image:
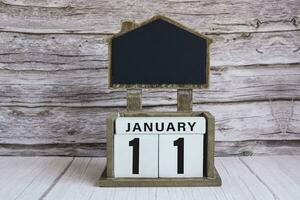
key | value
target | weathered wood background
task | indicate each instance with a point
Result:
(54, 96)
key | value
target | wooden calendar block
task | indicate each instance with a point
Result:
(181, 155)
(149, 148)
(136, 156)
(160, 152)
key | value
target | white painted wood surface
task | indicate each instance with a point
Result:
(257, 178)
(29, 177)
(53, 73)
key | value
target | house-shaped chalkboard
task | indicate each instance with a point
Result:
(159, 53)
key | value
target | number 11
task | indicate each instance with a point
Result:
(135, 144)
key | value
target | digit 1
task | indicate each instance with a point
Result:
(180, 154)
(135, 144)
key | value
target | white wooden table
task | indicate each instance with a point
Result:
(264, 178)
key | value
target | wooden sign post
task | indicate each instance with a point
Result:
(159, 148)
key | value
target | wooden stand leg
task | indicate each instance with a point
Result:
(184, 100)
(134, 99)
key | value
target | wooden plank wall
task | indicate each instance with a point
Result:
(54, 96)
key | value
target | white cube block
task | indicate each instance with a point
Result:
(181, 155)
(136, 156)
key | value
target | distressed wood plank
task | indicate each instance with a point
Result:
(256, 48)
(274, 176)
(29, 177)
(53, 76)
(84, 173)
(258, 147)
(234, 122)
(80, 181)
(52, 52)
(289, 165)
(58, 149)
(100, 17)
(237, 183)
(48, 125)
(65, 52)
(243, 178)
(223, 148)
(89, 87)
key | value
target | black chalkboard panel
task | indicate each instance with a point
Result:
(159, 53)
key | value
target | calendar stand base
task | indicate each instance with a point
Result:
(159, 182)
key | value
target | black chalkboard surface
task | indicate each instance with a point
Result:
(159, 54)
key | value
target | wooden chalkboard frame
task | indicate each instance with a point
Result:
(172, 86)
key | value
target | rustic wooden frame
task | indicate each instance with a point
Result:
(184, 108)
(130, 26)
(211, 176)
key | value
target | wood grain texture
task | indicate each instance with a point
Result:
(56, 149)
(102, 17)
(84, 173)
(273, 172)
(64, 51)
(89, 87)
(223, 148)
(68, 126)
(54, 95)
(258, 147)
(251, 178)
(29, 177)
(234, 122)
